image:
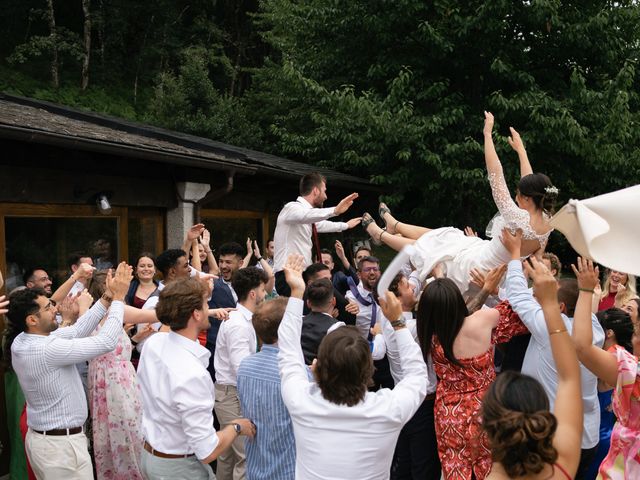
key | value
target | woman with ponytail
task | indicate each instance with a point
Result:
(527, 440)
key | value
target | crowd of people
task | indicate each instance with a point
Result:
(483, 359)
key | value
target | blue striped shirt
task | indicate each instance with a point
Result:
(271, 455)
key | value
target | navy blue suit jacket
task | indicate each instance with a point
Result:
(220, 298)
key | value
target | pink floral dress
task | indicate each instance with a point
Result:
(623, 459)
(116, 413)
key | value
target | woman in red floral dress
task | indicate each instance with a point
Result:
(462, 350)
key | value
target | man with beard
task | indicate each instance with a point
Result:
(44, 357)
(223, 296)
(369, 274)
(236, 340)
(300, 222)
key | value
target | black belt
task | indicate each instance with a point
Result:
(60, 431)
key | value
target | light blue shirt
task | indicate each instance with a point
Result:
(271, 455)
(538, 360)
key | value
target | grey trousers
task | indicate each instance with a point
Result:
(156, 468)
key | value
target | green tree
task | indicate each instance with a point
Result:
(396, 91)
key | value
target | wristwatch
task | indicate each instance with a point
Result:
(398, 323)
(237, 427)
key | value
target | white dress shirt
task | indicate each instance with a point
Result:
(45, 366)
(363, 318)
(236, 340)
(336, 441)
(394, 355)
(538, 359)
(177, 395)
(293, 230)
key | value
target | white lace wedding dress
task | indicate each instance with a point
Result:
(459, 253)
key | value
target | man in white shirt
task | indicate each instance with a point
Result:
(300, 221)
(236, 340)
(341, 430)
(538, 360)
(44, 357)
(177, 391)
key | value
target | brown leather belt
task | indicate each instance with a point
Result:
(59, 431)
(156, 453)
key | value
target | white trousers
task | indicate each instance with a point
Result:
(64, 457)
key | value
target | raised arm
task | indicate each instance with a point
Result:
(499, 190)
(195, 255)
(205, 240)
(192, 234)
(601, 363)
(247, 257)
(65, 351)
(83, 272)
(568, 404)
(516, 143)
(291, 364)
(489, 286)
(297, 213)
(265, 267)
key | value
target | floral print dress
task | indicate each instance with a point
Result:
(623, 459)
(116, 413)
(463, 445)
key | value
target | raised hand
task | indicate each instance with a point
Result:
(493, 278)
(84, 271)
(69, 310)
(512, 242)
(205, 239)
(488, 123)
(85, 300)
(345, 204)
(544, 283)
(256, 249)
(293, 273)
(194, 232)
(390, 306)
(3, 304)
(119, 284)
(587, 275)
(470, 232)
(515, 141)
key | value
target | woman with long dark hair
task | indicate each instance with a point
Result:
(460, 253)
(462, 349)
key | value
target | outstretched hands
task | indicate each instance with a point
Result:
(512, 242)
(345, 204)
(118, 285)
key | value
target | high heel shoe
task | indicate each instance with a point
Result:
(367, 220)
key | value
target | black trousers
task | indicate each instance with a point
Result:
(282, 287)
(416, 456)
(586, 457)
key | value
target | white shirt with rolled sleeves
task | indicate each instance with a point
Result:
(293, 230)
(538, 359)
(45, 366)
(336, 441)
(236, 340)
(177, 396)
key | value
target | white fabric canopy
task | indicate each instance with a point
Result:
(605, 228)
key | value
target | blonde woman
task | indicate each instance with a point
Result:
(618, 289)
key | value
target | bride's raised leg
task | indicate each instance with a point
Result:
(407, 230)
(396, 242)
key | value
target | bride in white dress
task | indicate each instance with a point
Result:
(459, 253)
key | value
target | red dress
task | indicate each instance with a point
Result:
(463, 446)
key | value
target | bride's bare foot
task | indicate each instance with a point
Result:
(389, 220)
